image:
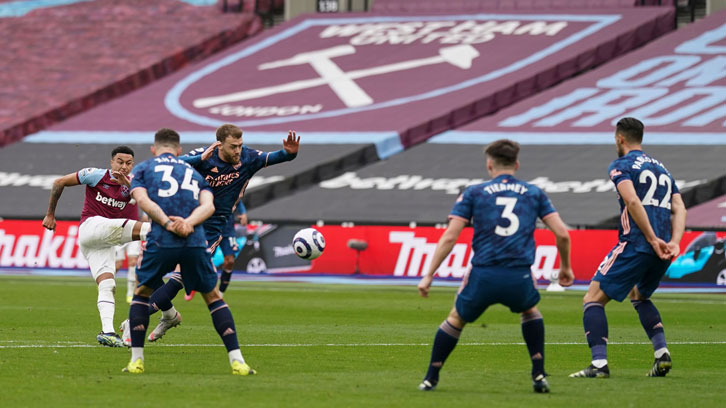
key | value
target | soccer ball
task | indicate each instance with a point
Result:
(308, 243)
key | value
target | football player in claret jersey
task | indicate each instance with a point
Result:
(652, 222)
(178, 200)
(227, 166)
(108, 219)
(504, 213)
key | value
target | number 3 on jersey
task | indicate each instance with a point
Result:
(507, 213)
(187, 183)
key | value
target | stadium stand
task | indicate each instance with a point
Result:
(413, 91)
(488, 5)
(67, 59)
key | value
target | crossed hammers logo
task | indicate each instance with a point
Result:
(341, 82)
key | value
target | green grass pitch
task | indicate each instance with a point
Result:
(342, 346)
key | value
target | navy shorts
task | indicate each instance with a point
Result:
(228, 246)
(485, 286)
(624, 267)
(196, 267)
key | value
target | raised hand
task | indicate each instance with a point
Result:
(208, 153)
(292, 143)
(121, 178)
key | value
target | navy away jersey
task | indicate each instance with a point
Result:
(229, 181)
(175, 186)
(504, 213)
(655, 186)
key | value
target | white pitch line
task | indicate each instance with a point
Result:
(626, 343)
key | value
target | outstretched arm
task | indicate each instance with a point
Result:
(443, 248)
(290, 147)
(55, 192)
(555, 224)
(637, 211)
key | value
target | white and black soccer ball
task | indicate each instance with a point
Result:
(308, 243)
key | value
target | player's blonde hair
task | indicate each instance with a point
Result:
(228, 130)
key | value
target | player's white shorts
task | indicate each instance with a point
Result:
(97, 238)
(132, 248)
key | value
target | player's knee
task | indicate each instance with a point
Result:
(107, 285)
(455, 319)
(531, 314)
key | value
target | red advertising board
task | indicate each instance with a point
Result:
(25, 243)
(391, 251)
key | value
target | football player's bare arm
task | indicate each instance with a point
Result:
(443, 248)
(55, 192)
(678, 224)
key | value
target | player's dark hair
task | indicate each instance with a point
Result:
(503, 152)
(166, 137)
(228, 130)
(121, 149)
(631, 129)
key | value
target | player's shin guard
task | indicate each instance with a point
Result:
(224, 324)
(161, 298)
(139, 320)
(534, 335)
(596, 329)
(106, 304)
(650, 319)
(444, 342)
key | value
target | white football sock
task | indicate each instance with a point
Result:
(106, 304)
(137, 353)
(145, 228)
(659, 353)
(168, 314)
(236, 355)
(600, 363)
(131, 281)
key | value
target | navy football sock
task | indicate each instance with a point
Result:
(650, 319)
(138, 320)
(161, 298)
(534, 335)
(444, 342)
(224, 324)
(596, 329)
(224, 279)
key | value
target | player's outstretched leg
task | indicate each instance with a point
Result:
(138, 322)
(596, 331)
(224, 324)
(444, 342)
(653, 326)
(161, 300)
(534, 336)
